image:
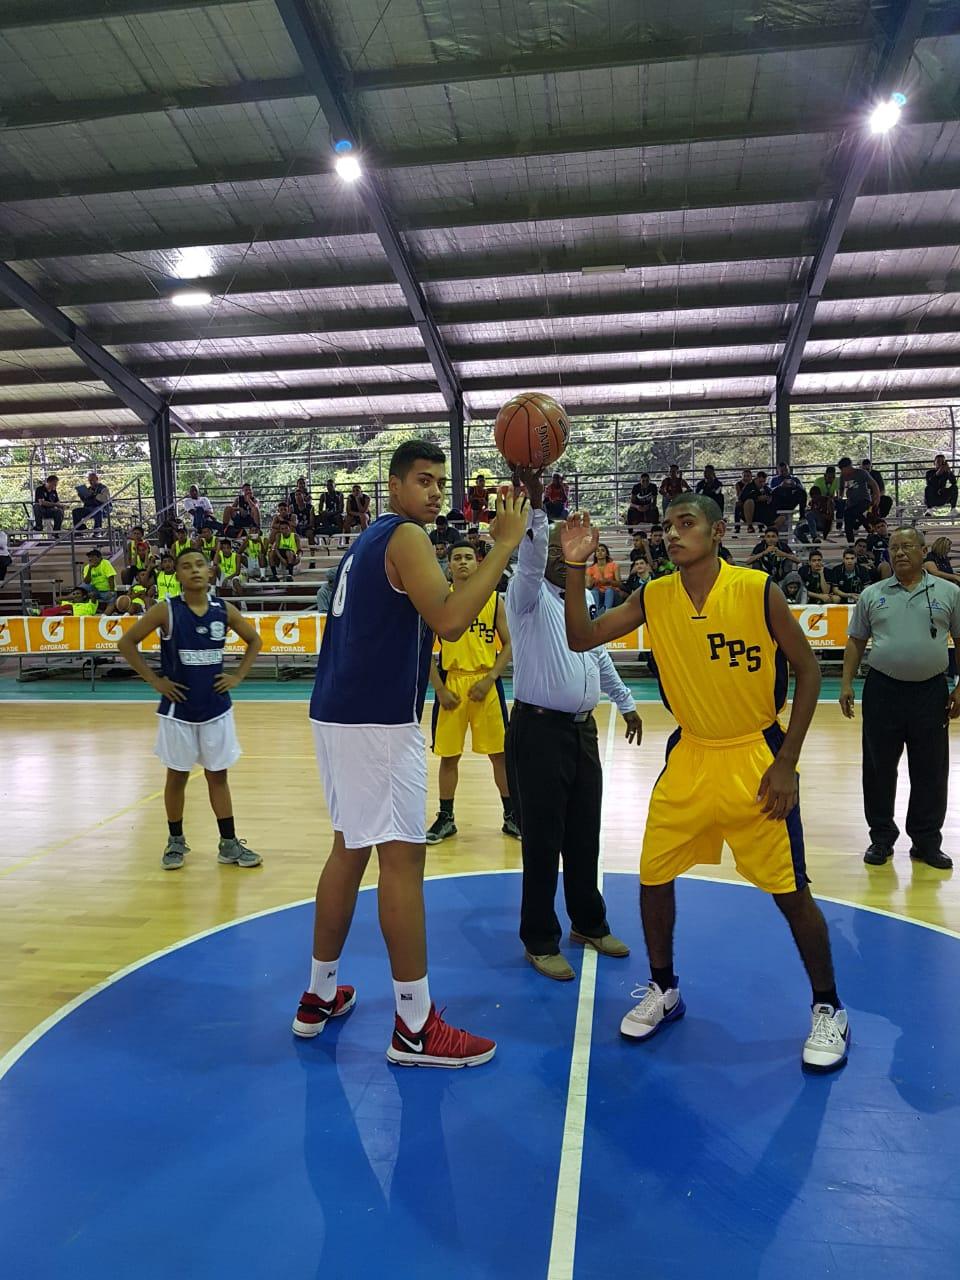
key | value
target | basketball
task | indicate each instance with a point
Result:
(531, 430)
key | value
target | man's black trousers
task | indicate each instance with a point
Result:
(556, 782)
(911, 714)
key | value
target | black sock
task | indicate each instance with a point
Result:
(507, 807)
(176, 828)
(446, 808)
(829, 997)
(227, 830)
(665, 979)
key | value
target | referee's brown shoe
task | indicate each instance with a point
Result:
(552, 966)
(608, 945)
(936, 858)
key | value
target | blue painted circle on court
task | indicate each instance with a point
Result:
(173, 1126)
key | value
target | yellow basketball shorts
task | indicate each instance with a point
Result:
(487, 719)
(707, 794)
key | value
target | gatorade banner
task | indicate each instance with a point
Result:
(825, 626)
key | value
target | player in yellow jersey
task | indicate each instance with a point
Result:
(468, 691)
(720, 639)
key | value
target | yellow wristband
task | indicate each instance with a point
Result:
(575, 564)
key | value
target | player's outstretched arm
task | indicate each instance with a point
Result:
(778, 786)
(579, 538)
(154, 619)
(412, 566)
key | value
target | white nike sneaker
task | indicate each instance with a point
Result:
(653, 1013)
(828, 1043)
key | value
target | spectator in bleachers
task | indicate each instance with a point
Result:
(325, 591)
(253, 554)
(723, 552)
(181, 540)
(848, 579)
(478, 498)
(241, 514)
(226, 569)
(330, 510)
(143, 590)
(603, 579)
(793, 588)
(656, 548)
(95, 497)
(99, 578)
(284, 550)
(814, 577)
(764, 512)
(556, 497)
(788, 493)
(878, 544)
(78, 604)
(640, 573)
(773, 555)
(639, 548)
(940, 489)
(206, 543)
(860, 494)
(937, 561)
(866, 560)
(198, 509)
(746, 490)
(820, 514)
(886, 502)
(672, 485)
(831, 487)
(357, 515)
(442, 532)
(442, 551)
(301, 511)
(137, 555)
(643, 507)
(478, 544)
(47, 505)
(6, 560)
(710, 485)
(168, 584)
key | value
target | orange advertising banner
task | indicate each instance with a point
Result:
(825, 626)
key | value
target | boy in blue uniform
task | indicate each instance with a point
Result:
(390, 596)
(196, 717)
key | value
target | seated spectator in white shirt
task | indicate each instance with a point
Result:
(198, 508)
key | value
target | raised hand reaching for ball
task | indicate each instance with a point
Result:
(579, 538)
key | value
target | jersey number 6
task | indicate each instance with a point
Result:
(340, 598)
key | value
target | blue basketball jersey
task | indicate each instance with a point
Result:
(191, 654)
(375, 658)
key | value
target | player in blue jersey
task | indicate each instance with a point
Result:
(390, 597)
(196, 717)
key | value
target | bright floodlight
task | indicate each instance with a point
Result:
(191, 298)
(886, 114)
(348, 167)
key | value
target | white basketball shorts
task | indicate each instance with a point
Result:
(182, 745)
(374, 779)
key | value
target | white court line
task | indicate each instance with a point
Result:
(563, 1242)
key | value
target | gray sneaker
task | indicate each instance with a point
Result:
(173, 854)
(238, 854)
(442, 828)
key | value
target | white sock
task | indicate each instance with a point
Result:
(323, 978)
(413, 1002)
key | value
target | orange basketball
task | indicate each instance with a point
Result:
(531, 430)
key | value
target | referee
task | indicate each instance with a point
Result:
(906, 700)
(553, 764)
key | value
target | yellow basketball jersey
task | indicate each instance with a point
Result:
(476, 650)
(721, 672)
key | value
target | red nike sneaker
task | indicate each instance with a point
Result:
(314, 1013)
(437, 1044)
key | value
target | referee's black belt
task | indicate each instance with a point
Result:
(578, 717)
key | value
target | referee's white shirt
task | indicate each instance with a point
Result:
(546, 672)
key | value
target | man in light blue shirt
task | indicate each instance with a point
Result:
(553, 762)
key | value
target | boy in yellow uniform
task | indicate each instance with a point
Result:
(168, 584)
(469, 692)
(720, 638)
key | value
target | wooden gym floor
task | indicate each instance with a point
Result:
(82, 893)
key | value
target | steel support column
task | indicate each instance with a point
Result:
(458, 480)
(781, 439)
(161, 464)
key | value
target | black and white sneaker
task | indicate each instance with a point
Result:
(828, 1043)
(510, 827)
(443, 827)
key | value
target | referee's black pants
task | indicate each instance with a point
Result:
(911, 714)
(553, 766)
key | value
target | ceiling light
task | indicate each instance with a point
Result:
(886, 114)
(348, 167)
(191, 298)
(194, 263)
